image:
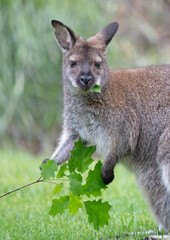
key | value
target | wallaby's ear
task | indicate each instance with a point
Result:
(64, 35)
(108, 32)
(103, 38)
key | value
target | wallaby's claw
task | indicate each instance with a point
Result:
(44, 162)
(107, 176)
(107, 179)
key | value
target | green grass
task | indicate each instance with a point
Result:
(24, 214)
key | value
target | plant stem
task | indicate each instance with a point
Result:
(29, 184)
(57, 185)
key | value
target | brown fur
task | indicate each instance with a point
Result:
(130, 117)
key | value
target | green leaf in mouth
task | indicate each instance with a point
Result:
(96, 88)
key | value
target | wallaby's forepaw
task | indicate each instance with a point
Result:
(107, 175)
(44, 162)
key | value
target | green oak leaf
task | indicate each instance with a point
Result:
(76, 183)
(81, 157)
(98, 213)
(72, 171)
(74, 204)
(48, 169)
(61, 172)
(59, 205)
(57, 189)
(94, 182)
(96, 88)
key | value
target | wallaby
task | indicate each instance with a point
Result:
(129, 121)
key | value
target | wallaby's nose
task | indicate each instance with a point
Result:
(85, 79)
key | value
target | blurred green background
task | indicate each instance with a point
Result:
(30, 60)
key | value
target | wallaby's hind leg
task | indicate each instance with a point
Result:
(163, 157)
(165, 168)
(157, 196)
(155, 182)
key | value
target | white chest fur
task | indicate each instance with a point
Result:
(91, 129)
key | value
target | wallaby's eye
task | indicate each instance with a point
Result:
(72, 64)
(98, 65)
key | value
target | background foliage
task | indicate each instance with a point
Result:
(30, 60)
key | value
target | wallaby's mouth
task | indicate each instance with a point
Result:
(86, 85)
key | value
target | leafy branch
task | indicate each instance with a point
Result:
(26, 185)
(81, 178)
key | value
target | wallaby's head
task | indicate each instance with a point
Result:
(84, 62)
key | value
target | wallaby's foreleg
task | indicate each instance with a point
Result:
(108, 167)
(62, 153)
